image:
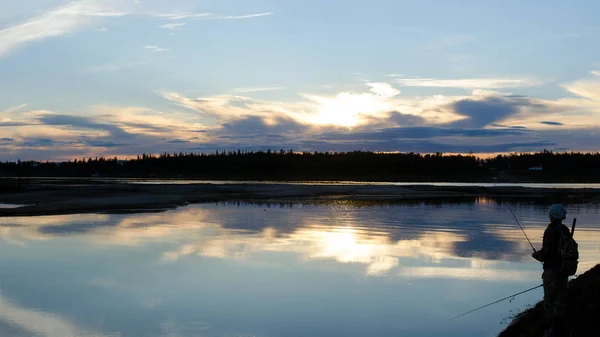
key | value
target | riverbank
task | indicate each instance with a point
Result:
(583, 310)
(55, 197)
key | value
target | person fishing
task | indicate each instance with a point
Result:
(559, 258)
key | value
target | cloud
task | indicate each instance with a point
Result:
(68, 120)
(173, 26)
(180, 16)
(345, 109)
(102, 143)
(376, 117)
(383, 89)
(253, 133)
(395, 118)
(156, 49)
(147, 126)
(245, 122)
(552, 123)
(588, 89)
(426, 146)
(14, 123)
(418, 133)
(247, 16)
(352, 109)
(115, 133)
(517, 127)
(178, 141)
(259, 126)
(14, 109)
(428, 139)
(468, 83)
(580, 110)
(14, 117)
(484, 111)
(57, 22)
(110, 131)
(116, 136)
(257, 89)
(41, 142)
(81, 14)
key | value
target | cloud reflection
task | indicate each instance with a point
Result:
(38, 323)
(450, 247)
(468, 273)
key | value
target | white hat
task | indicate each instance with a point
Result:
(558, 212)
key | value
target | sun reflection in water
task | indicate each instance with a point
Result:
(439, 251)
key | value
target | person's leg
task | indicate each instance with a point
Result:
(550, 293)
(560, 305)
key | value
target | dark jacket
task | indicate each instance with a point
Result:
(549, 254)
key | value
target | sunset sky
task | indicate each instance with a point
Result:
(122, 77)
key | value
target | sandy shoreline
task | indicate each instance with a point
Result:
(70, 197)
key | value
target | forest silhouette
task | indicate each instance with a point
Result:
(356, 166)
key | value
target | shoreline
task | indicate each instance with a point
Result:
(582, 310)
(59, 197)
(299, 181)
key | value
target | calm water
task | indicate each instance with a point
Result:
(262, 182)
(285, 270)
(10, 205)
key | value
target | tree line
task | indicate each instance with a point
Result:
(356, 165)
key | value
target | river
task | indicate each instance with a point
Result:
(238, 269)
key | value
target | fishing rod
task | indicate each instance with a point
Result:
(518, 223)
(498, 301)
(522, 292)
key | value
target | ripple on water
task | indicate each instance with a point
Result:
(10, 205)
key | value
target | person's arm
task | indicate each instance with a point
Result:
(548, 245)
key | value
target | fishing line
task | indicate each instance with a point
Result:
(518, 223)
(498, 301)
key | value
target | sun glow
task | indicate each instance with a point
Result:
(349, 109)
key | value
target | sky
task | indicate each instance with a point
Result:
(89, 78)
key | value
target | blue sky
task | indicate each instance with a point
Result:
(107, 77)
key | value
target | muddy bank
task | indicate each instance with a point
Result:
(583, 310)
(75, 196)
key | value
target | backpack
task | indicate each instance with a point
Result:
(568, 251)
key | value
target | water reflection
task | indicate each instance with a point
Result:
(10, 205)
(239, 268)
(16, 322)
(375, 234)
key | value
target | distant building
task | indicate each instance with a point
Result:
(536, 168)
